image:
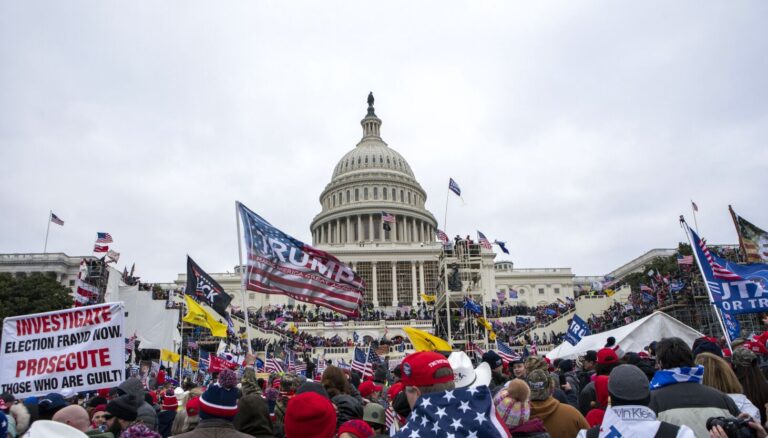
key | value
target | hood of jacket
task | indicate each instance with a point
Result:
(348, 408)
(544, 408)
(133, 386)
(253, 417)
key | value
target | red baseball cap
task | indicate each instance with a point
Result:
(607, 356)
(368, 387)
(394, 390)
(419, 369)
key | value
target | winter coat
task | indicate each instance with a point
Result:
(214, 428)
(146, 413)
(691, 404)
(636, 421)
(587, 395)
(746, 406)
(99, 434)
(533, 428)
(584, 378)
(253, 417)
(21, 416)
(165, 422)
(347, 408)
(561, 420)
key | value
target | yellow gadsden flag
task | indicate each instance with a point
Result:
(196, 315)
(169, 356)
(423, 341)
(428, 298)
(189, 363)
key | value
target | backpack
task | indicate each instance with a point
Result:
(666, 430)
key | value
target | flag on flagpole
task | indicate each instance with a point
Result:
(694, 206)
(483, 241)
(502, 245)
(200, 284)
(280, 264)
(423, 341)
(441, 236)
(100, 248)
(103, 237)
(361, 364)
(454, 187)
(386, 219)
(506, 353)
(534, 348)
(198, 316)
(55, 219)
(112, 256)
(754, 241)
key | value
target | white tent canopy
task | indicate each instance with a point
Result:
(631, 337)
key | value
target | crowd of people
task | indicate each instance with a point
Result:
(670, 388)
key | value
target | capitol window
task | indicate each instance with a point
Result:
(347, 196)
(357, 194)
(541, 291)
(394, 196)
(409, 197)
(402, 196)
(384, 193)
(365, 194)
(375, 193)
(334, 200)
(557, 290)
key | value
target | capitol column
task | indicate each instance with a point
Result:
(421, 277)
(360, 228)
(370, 226)
(413, 283)
(394, 284)
(394, 230)
(373, 283)
(421, 231)
(349, 231)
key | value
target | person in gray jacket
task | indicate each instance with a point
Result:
(146, 413)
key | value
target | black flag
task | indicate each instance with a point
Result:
(201, 285)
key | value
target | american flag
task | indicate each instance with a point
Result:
(103, 237)
(85, 293)
(273, 365)
(130, 343)
(300, 367)
(534, 348)
(280, 264)
(441, 236)
(452, 186)
(476, 349)
(458, 412)
(343, 365)
(387, 217)
(361, 363)
(718, 270)
(100, 248)
(55, 219)
(483, 241)
(506, 352)
(684, 260)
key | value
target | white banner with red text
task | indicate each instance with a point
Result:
(65, 351)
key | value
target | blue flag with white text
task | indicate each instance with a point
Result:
(577, 330)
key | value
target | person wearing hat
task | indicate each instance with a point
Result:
(568, 369)
(50, 428)
(513, 405)
(497, 364)
(751, 378)
(252, 411)
(607, 360)
(425, 372)
(310, 415)
(560, 419)
(564, 394)
(50, 404)
(121, 413)
(375, 415)
(355, 429)
(370, 392)
(587, 368)
(465, 375)
(677, 393)
(629, 414)
(168, 407)
(218, 407)
(518, 367)
(146, 413)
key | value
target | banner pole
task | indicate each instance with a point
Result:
(706, 284)
(47, 230)
(181, 347)
(445, 217)
(695, 222)
(242, 277)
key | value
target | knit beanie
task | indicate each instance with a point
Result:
(513, 404)
(169, 401)
(124, 407)
(358, 428)
(193, 407)
(310, 415)
(220, 399)
(139, 431)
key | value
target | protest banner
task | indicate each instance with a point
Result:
(64, 351)
(577, 330)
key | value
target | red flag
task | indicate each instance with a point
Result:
(100, 248)
(218, 364)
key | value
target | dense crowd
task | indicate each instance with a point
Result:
(670, 388)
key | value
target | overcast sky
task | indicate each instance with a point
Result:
(578, 131)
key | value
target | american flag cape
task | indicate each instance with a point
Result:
(458, 413)
(483, 241)
(279, 264)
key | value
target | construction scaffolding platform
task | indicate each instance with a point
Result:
(461, 277)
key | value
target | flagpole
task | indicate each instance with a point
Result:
(47, 230)
(367, 354)
(181, 347)
(445, 217)
(695, 222)
(242, 282)
(706, 285)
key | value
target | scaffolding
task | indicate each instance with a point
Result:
(460, 277)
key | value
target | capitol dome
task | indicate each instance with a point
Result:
(369, 181)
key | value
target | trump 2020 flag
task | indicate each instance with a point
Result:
(280, 264)
(732, 325)
(577, 330)
(201, 285)
(735, 288)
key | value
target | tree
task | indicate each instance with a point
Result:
(32, 293)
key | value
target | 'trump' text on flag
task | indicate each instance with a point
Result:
(279, 264)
